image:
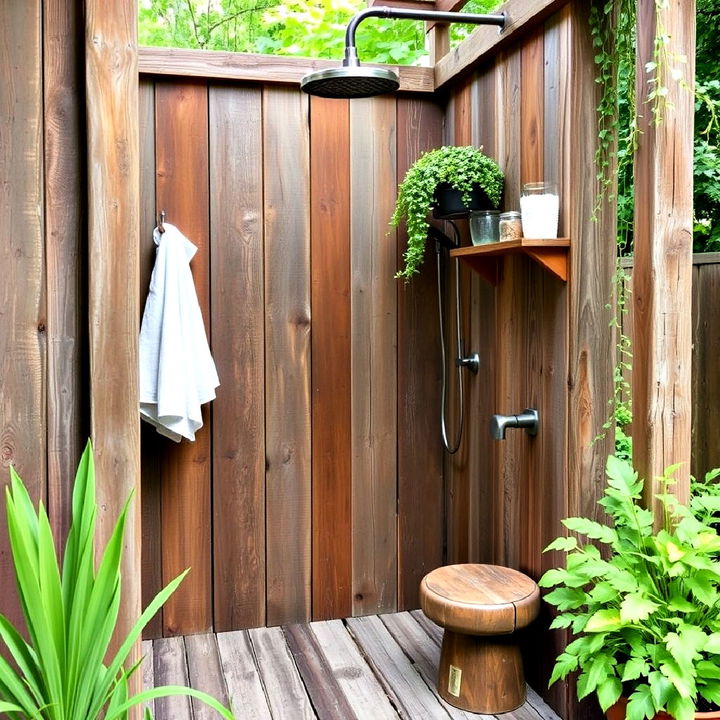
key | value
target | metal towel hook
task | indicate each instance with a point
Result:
(161, 224)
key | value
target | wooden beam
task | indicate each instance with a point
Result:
(522, 16)
(113, 216)
(662, 275)
(258, 68)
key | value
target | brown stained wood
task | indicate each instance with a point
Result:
(523, 16)
(262, 68)
(111, 96)
(64, 211)
(318, 676)
(236, 213)
(150, 443)
(205, 673)
(374, 339)
(420, 524)
(23, 351)
(287, 697)
(242, 677)
(663, 247)
(481, 674)
(181, 147)
(532, 62)
(287, 356)
(355, 679)
(408, 692)
(331, 353)
(170, 668)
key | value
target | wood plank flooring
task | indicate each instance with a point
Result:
(366, 668)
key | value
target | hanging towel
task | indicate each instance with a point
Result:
(177, 372)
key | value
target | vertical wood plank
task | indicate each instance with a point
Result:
(532, 108)
(420, 473)
(170, 668)
(287, 361)
(181, 148)
(331, 415)
(22, 324)
(238, 413)
(205, 673)
(111, 93)
(64, 207)
(150, 442)
(374, 343)
(663, 251)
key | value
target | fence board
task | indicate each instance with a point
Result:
(287, 362)
(182, 191)
(374, 340)
(22, 334)
(420, 532)
(331, 352)
(238, 328)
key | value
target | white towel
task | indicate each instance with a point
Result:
(177, 372)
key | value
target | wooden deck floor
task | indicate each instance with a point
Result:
(369, 668)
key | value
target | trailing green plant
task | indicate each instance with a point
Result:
(460, 167)
(644, 605)
(70, 613)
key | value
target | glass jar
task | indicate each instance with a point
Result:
(540, 206)
(510, 226)
(484, 228)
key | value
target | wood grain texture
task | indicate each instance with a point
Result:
(420, 475)
(181, 148)
(239, 411)
(663, 248)
(522, 15)
(111, 95)
(532, 108)
(67, 423)
(205, 673)
(170, 668)
(263, 68)
(148, 672)
(287, 356)
(23, 351)
(150, 443)
(331, 353)
(374, 341)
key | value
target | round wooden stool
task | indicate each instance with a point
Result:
(480, 606)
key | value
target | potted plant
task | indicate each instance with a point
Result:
(60, 672)
(476, 180)
(645, 609)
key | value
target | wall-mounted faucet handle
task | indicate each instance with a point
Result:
(471, 362)
(529, 419)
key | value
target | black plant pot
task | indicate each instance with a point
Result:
(449, 204)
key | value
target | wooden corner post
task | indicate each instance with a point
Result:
(662, 275)
(111, 83)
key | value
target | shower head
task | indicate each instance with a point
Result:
(350, 82)
(354, 81)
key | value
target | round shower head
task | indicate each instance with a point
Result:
(355, 81)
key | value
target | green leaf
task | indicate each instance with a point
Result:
(603, 621)
(566, 598)
(712, 643)
(677, 675)
(681, 708)
(553, 577)
(564, 665)
(636, 607)
(562, 621)
(640, 704)
(708, 670)
(562, 543)
(634, 668)
(609, 692)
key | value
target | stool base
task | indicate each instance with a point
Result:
(482, 674)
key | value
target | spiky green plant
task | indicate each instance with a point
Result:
(461, 168)
(70, 615)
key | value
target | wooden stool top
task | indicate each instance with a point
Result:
(479, 599)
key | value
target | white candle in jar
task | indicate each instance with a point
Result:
(540, 209)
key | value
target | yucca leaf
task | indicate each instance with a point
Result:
(166, 691)
(12, 688)
(24, 657)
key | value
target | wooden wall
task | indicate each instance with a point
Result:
(299, 498)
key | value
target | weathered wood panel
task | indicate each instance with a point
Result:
(181, 149)
(331, 351)
(238, 328)
(420, 475)
(23, 351)
(374, 342)
(287, 356)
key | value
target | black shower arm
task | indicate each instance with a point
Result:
(381, 11)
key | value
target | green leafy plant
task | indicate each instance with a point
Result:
(70, 615)
(645, 608)
(460, 167)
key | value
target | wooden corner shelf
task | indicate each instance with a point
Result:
(487, 259)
